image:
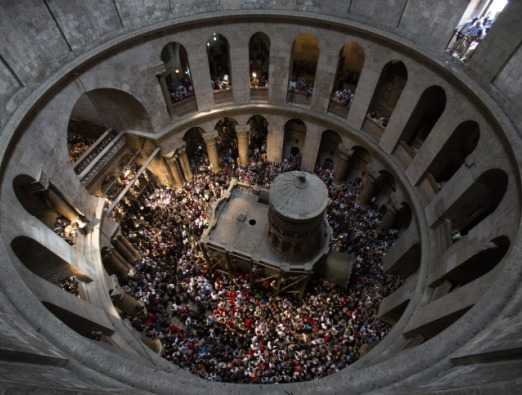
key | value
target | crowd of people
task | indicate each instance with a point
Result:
(78, 144)
(343, 96)
(220, 327)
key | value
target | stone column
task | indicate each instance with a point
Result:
(364, 195)
(160, 169)
(212, 152)
(242, 140)
(342, 159)
(126, 303)
(172, 164)
(311, 147)
(184, 162)
(61, 205)
(130, 255)
(115, 264)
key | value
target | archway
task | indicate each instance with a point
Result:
(227, 143)
(46, 264)
(479, 201)
(218, 52)
(176, 80)
(349, 67)
(454, 152)
(330, 141)
(196, 148)
(47, 204)
(259, 55)
(389, 88)
(303, 67)
(295, 135)
(427, 112)
(258, 137)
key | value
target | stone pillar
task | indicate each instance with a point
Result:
(325, 75)
(365, 193)
(200, 73)
(61, 205)
(115, 263)
(172, 164)
(129, 254)
(311, 147)
(240, 67)
(242, 140)
(212, 152)
(342, 160)
(184, 162)
(160, 169)
(126, 303)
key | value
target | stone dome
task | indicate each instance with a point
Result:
(298, 195)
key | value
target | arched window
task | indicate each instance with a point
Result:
(218, 52)
(358, 162)
(303, 66)
(330, 141)
(295, 135)
(427, 112)
(95, 134)
(454, 152)
(46, 203)
(259, 53)
(479, 201)
(349, 67)
(479, 264)
(387, 93)
(47, 265)
(176, 80)
(196, 148)
(227, 143)
(258, 137)
(382, 188)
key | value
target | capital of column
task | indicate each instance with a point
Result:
(210, 138)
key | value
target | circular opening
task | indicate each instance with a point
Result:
(252, 222)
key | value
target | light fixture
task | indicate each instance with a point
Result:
(177, 71)
(254, 75)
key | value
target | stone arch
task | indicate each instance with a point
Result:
(328, 147)
(227, 142)
(176, 80)
(112, 108)
(478, 202)
(43, 262)
(196, 147)
(259, 60)
(218, 52)
(303, 67)
(425, 115)
(358, 162)
(47, 204)
(349, 68)
(293, 144)
(392, 81)
(454, 152)
(479, 264)
(258, 136)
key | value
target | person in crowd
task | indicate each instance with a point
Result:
(222, 328)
